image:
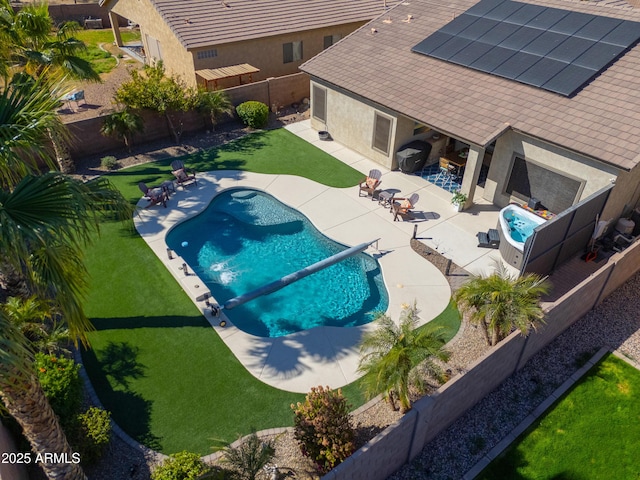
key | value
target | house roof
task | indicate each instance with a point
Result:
(601, 121)
(202, 23)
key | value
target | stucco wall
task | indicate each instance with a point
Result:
(10, 470)
(405, 439)
(176, 59)
(350, 121)
(266, 53)
(592, 174)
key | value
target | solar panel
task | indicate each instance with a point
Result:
(549, 48)
(570, 49)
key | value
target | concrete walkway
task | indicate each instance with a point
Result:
(329, 355)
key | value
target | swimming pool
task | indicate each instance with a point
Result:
(246, 238)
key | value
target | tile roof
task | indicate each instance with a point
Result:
(201, 23)
(601, 121)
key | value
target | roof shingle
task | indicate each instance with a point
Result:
(602, 120)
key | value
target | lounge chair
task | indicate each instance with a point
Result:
(183, 176)
(401, 207)
(154, 195)
(370, 184)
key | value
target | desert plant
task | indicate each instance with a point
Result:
(109, 162)
(122, 124)
(94, 433)
(214, 105)
(501, 302)
(60, 380)
(323, 427)
(253, 114)
(152, 90)
(181, 466)
(250, 457)
(393, 357)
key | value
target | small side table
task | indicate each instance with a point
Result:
(385, 198)
(168, 186)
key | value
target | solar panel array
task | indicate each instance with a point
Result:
(550, 48)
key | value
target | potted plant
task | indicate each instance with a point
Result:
(458, 200)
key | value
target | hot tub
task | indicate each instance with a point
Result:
(515, 225)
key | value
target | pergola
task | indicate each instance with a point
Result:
(216, 74)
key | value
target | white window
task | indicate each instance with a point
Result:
(381, 133)
(155, 53)
(212, 53)
(291, 52)
(330, 40)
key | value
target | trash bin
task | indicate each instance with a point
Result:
(413, 156)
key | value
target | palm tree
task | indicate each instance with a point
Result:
(45, 222)
(30, 45)
(500, 303)
(122, 124)
(250, 457)
(393, 357)
(25, 400)
(36, 320)
(214, 105)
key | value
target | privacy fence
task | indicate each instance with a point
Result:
(403, 441)
(277, 92)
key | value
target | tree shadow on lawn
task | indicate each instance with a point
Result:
(119, 361)
(169, 321)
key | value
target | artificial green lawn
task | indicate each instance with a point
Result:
(592, 432)
(165, 375)
(102, 61)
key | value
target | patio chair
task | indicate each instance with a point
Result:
(183, 176)
(154, 195)
(370, 184)
(446, 174)
(402, 207)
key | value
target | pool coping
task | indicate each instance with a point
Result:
(322, 355)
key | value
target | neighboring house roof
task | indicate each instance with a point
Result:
(202, 23)
(601, 121)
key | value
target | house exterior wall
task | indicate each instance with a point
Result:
(350, 121)
(176, 59)
(593, 175)
(266, 53)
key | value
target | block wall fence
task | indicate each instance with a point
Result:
(275, 92)
(405, 439)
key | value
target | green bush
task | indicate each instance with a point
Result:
(94, 433)
(253, 114)
(109, 162)
(323, 427)
(250, 457)
(180, 466)
(60, 380)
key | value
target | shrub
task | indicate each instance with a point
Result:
(323, 427)
(109, 162)
(250, 457)
(60, 380)
(180, 466)
(94, 433)
(253, 114)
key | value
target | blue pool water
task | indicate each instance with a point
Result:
(520, 227)
(246, 238)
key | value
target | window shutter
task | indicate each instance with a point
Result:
(381, 133)
(319, 103)
(287, 52)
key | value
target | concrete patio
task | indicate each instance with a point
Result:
(329, 355)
